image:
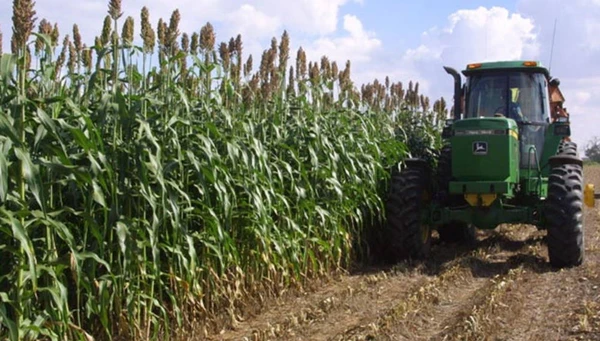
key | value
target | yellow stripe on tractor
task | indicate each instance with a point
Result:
(477, 199)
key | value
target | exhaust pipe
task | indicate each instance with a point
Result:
(457, 91)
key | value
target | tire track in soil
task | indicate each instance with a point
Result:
(346, 302)
(419, 300)
(289, 317)
(462, 306)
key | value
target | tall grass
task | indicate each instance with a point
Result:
(139, 199)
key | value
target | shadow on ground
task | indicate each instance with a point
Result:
(493, 255)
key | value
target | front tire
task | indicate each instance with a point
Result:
(406, 234)
(564, 216)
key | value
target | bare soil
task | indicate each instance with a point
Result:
(501, 289)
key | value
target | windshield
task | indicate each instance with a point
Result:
(521, 96)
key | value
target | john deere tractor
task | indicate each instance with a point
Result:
(507, 159)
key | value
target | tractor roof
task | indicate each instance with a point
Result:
(516, 65)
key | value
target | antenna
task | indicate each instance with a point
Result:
(552, 48)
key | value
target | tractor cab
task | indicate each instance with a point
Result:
(517, 92)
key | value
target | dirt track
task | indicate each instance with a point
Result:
(503, 289)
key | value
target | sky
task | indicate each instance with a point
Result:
(405, 40)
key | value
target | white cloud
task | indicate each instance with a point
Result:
(357, 45)
(305, 16)
(574, 57)
(252, 23)
(480, 34)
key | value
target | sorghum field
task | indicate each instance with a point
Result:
(158, 184)
(148, 189)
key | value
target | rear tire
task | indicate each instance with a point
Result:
(564, 216)
(406, 235)
(567, 148)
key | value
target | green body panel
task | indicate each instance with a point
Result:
(534, 183)
(498, 164)
(484, 218)
(507, 66)
(550, 146)
(482, 187)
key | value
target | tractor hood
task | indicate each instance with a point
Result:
(478, 126)
(485, 149)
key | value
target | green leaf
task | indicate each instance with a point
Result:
(98, 194)
(8, 64)
(20, 233)
(122, 234)
(32, 176)
(13, 329)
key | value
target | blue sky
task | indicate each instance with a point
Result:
(405, 40)
(399, 23)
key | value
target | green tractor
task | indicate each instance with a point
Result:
(507, 158)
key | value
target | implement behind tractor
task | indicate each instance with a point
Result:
(507, 158)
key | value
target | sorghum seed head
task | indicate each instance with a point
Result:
(231, 46)
(43, 28)
(62, 56)
(195, 44)
(106, 31)
(334, 70)
(185, 43)
(248, 66)
(28, 59)
(301, 68)
(114, 9)
(284, 49)
(162, 32)
(86, 57)
(128, 33)
(77, 38)
(55, 35)
(23, 21)
(224, 54)
(207, 37)
(238, 44)
(148, 35)
(173, 31)
(72, 58)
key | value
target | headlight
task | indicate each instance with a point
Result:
(562, 130)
